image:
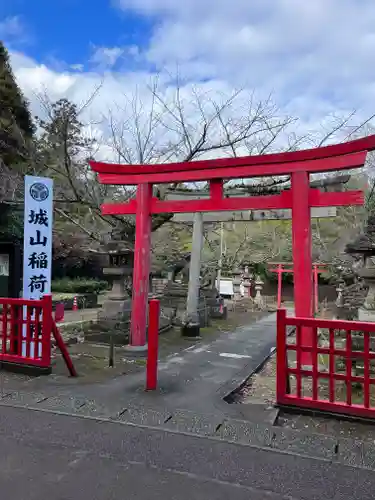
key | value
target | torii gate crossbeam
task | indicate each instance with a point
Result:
(300, 198)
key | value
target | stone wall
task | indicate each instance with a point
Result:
(158, 285)
(173, 304)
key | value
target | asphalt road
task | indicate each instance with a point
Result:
(55, 457)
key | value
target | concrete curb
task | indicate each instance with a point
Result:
(349, 452)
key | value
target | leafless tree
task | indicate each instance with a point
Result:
(156, 125)
(187, 123)
(161, 125)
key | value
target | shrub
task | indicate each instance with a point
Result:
(80, 285)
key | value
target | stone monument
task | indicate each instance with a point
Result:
(213, 301)
(174, 298)
(175, 293)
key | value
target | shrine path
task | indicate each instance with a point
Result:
(195, 379)
(199, 377)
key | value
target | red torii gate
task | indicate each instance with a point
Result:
(287, 267)
(300, 198)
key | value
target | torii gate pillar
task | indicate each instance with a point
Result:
(141, 272)
(302, 258)
(302, 245)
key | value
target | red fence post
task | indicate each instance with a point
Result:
(316, 295)
(279, 281)
(46, 331)
(281, 372)
(64, 351)
(153, 337)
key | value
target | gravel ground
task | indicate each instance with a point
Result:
(261, 389)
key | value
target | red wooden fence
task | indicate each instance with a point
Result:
(341, 378)
(25, 331)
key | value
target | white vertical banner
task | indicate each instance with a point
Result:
(37, 237)
(37, 243)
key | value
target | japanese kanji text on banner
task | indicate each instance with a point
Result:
(37, 246)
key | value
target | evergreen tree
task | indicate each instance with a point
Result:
(16, 125)
(62, 133)
(16, 135)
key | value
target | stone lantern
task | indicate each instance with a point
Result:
(237, 280)
(118, 271)
(247, 279)
(364, 245)
(340, 289)
(258, 300)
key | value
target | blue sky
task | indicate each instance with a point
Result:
(316, 57)
(69, 31)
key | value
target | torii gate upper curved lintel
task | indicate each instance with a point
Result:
(300, 198)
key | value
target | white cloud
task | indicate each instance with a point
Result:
(106, 57)
(313, 54)
(77, 67)
(36, 78)
(115, 96)
(317, 57)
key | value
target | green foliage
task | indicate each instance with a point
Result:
(11, 223)
(370, 200)
(66, 285)
(16, 125)
(170, 243)
(63, 150)
(16, 138)
(63, 131)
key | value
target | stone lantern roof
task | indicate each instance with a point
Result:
(364, 244)
(118, 247)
